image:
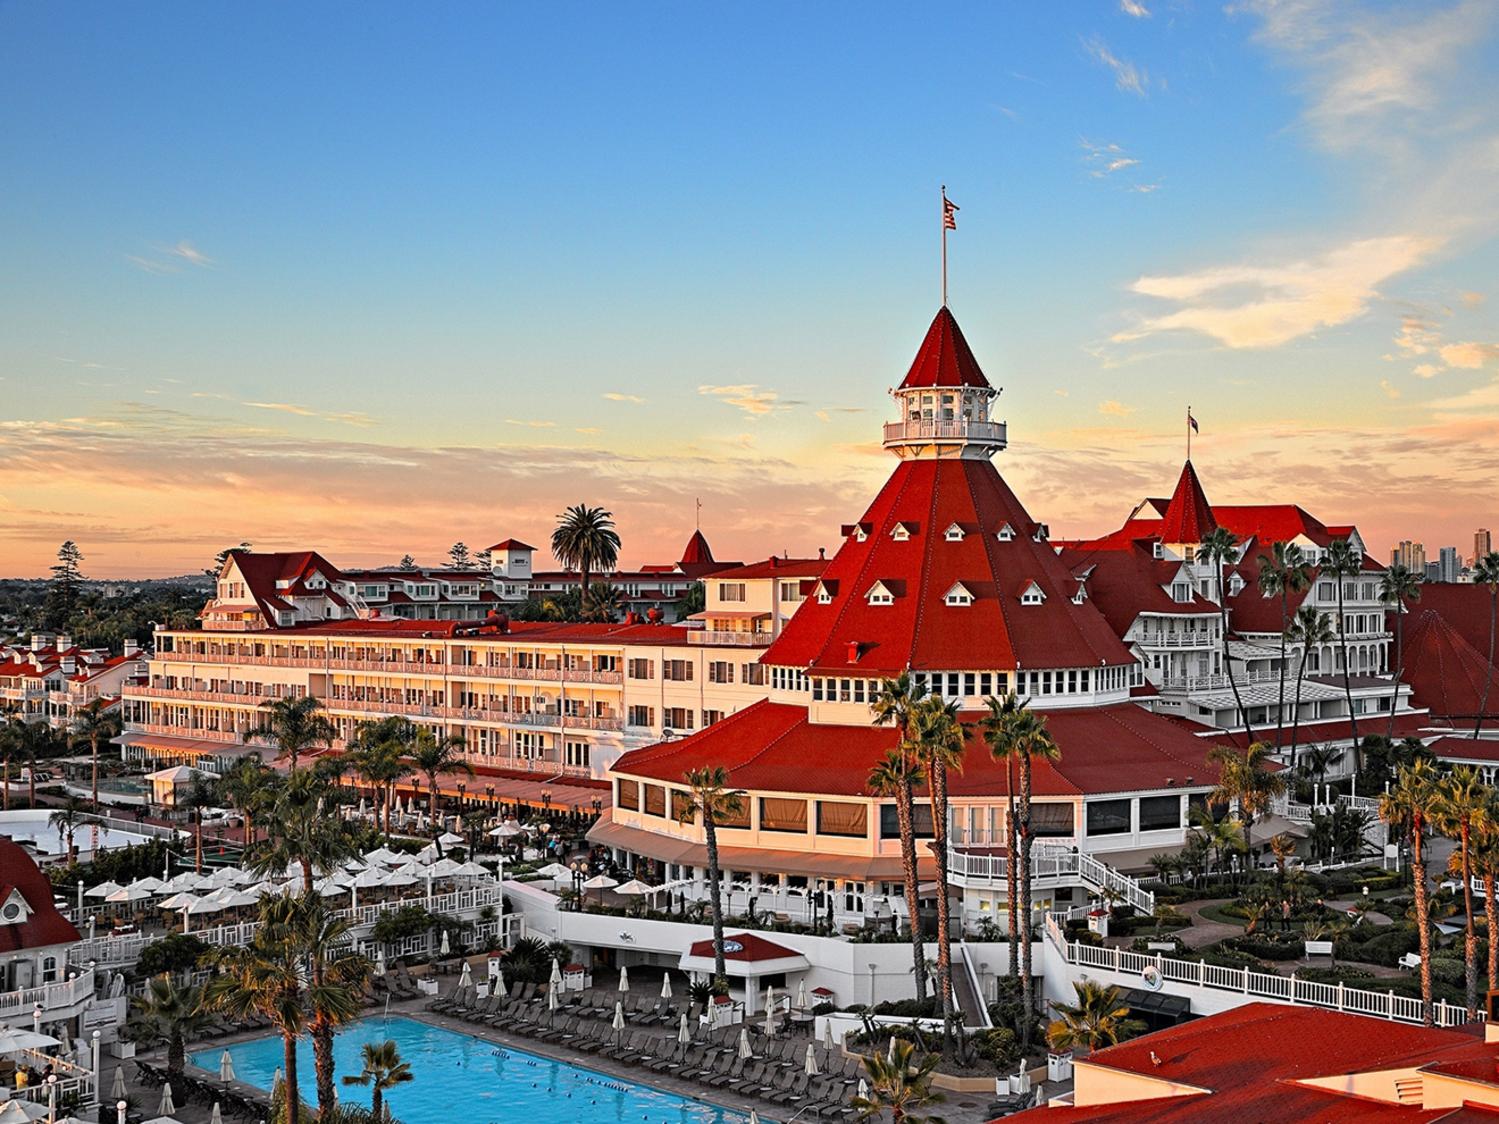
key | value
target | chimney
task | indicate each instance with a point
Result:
(69, 665)
(822, 553)
(854, 651)
(40, 640)
(64, 641)
(132, 648)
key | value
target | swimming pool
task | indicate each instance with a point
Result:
(32, 826)
(461, 1079)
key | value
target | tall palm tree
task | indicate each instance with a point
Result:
(1311, 629)
(939, 740)
(295, 726)
(265, 978)
(1032, 742)
(10, 740)
(1408, 807)
(1397, 586)
(898, 1087)
(996, 727)
(170, 1014)
(1486, 863)
(66, 822)
(33, 741)
(709, 796)
(1244, 776)
(1098, 1018)
(1283, 571)
(1221, 549)
(301, 831)
(384, 1069)
(250, 788)
(431, 755)
(894, 775)
(1486, 572)
(1342, 561)
(381, 757)
(585, 540)
(892, 705)
(96, 723)
(336, 981)
(1461, 809)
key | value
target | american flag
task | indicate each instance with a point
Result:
(949, 214)
(1193, 422)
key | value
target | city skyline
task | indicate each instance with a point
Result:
(429, 284)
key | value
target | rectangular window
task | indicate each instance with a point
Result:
(712, 716)
(1051, 819)
(681, 807)
(780, 814)
(1160, 813)
(576, 754)
(753, 674)
(736, 816)
(731, 591)
(677, 671)
(890, 821)
(642, 669)
(642, 716)
(791, 591)
(678, 717)
(720, 671)
(1108, 817)
(836, 817)
(655, 800)
(627, 794)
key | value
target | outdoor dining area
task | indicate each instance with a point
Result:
(38, 1080)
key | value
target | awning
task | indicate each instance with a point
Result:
(197, 747)
(538, 791)
(1156, 1003)
(1271, 826)
(670, 849)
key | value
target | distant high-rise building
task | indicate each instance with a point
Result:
(1449, 565)
(1411, 555)
(1433, 572)
(1483, 543)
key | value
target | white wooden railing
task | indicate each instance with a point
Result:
(1053, 868)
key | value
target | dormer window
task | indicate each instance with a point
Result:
(1043, 532)
(903, 531)
(958, 596)
(826, 591)
(880, 594)
(1006, 533)
(954, 533)
(1081, 595)
(1158, 550)
(14, 909)
(1032, 595)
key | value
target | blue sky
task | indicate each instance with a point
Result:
(373, 278)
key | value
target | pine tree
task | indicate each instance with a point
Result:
(67, 583)
(221, 557)
(406, 563)
(458, 556)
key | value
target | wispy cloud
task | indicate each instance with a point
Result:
(1469, 356)
(1134, 8)
(170, 259)
(1389, 388)
(749, 397)
(1115, 409)
(1127, 76)
(587, 430)
(354, 418)
(1265, 305)
(531, 423)
(1105, 159)
(616, 396)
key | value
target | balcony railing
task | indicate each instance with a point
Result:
(729, 639)
(1178, 640)
(985, 433)
(1215, 682)
(51, 996)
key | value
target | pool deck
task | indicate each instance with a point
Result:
(958, 1109)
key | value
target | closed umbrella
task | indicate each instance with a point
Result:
(276, 1080)
(497, 987)
(465, 977)
(890, 1050)
(684, 1033)
(552, 999)
(167, 1105)
(754, 1117)
(801, 995)
(117, 1089)
(216, 1117)
(444, 948)
(226, 1067)
(863, 1089)
(619, 1015)
(770, 1022)
(624, 978)
(666, 985)
(744, 1045)
(556, 971)
(827, 1036)
(811, 1063)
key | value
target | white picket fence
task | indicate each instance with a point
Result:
(1255, 985)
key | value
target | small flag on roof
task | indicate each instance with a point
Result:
(1193, 422)
(949, 213)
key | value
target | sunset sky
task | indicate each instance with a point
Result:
(372, 278)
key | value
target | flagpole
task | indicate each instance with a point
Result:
(1189, 432)
(942, 213)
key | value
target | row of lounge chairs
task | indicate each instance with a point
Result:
(232, 1103)
(776, 1074)
(397, 984)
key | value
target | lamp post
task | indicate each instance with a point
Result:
(598, 807)
(579, 868)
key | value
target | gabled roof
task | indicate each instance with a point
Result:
(45, 926)
(944, 358)
(774, 568)
(918, 631)
(511, 544)
(1125, 583)
(1188, 518)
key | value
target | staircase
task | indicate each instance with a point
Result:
(967, 992)
(1050, 869)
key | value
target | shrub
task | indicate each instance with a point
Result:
(1008, 1010)
(1354, 977)
(1448, 969)
(1384, 946)
(173, 954)
(1264, 946)
(927, 1008)
(1141, 944)
(998, 1046)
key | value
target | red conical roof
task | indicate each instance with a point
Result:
(1189, 516)
(697, 552)
(945, 358)
(1445, 672)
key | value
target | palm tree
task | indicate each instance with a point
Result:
(250, 788)
(34, 740)
(66, 821)
(337, 977)
(383, 1069)
(606, 604)
(1243, 775)
(1098, 1018)
(1486, 572)
(10, 740)
(1032, 741)
(1317, 760)
(265, 978)
(996, 727)
(431, 755)
(201, 792)
(295, 726)
(1283, 571)
(1342, 561)
(1461, 809)
(167, 1013)
(379, 755)
(1486, 862)
(709, 796)
(1282, 846)
(94, 724)
(585, 540)
(1310, 629)
(1220, 549)
(1398, 585)
(1408, 807)
(896, 777)
(939, 741)
(898, 1087)
(301, 831)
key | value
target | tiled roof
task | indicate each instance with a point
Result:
(918, 629)
(944, 358)
(752, 948)
(774, 567)
(1445, 670)
(1125, 583)
(697, 550)
(45, 926)
(1188, 517)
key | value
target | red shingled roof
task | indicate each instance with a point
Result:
(45, 926)
(752, 948)
(1446, 672)
(511, 544)
(918, 629)
(775, 568)
(775, 747)
(697, 550)
(944, 358)
(1125, 583)
(1188, 517)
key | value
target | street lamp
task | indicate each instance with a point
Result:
(579, 868)
(598, 807)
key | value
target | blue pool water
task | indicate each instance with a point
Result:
(461, 1079)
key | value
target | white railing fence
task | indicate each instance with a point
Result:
(1052, 868)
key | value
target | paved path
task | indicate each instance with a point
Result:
(1204, 930)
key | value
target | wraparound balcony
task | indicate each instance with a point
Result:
(726, 639)
(976, 432)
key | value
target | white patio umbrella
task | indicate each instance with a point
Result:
(232, 899)
(21, 1112)
(770, 999)
(635, 888)
(329, 888)
(507, 830)
(754, 1117)
(555, 871)
(206, 905)
(744, 1045)
(811, 1063)
(684, 1032)
(497, 987)
(216, 1116)
(465, 977)
(770, 1022)
(148, 883)
(102, 890)
(828, 1042)
(472, 869)
(552, 998)
(226, 1067)
(863, 1089)
(179, 900)
(600, 882)
(12, 1039)
(444, 948)
(444, 868)
(117, 1088)
(428, 854)
(384, 856)
(368, 879)
(450, 839)
(666, 984)
(399, 878)
(187, 880)
(801, 995)
(619, 1015)
(890, 1050)
(167, 1105)
(624, 978)
(556, 971)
